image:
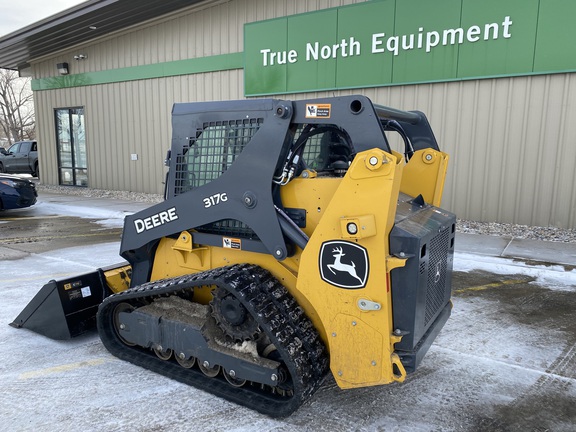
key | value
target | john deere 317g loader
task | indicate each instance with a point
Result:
(292, 241)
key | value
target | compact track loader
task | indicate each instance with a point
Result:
(292, 241)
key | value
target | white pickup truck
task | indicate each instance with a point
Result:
(20, 158)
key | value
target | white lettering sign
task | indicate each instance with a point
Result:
(393, 44)
(155, 220)
(345, 48)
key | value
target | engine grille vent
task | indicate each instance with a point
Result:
(422, 267)
(437, 266)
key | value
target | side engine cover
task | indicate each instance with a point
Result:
(421, 289)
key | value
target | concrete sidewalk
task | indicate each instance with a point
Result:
(505, 247)
(508, 247)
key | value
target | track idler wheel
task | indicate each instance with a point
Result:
(118, 325)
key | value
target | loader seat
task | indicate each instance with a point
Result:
(324, 150)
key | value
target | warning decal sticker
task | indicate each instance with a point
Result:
(71, 285)
(318, 111)
(231, 243)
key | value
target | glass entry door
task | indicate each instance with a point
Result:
(71, 142)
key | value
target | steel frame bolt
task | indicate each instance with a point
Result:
(274, 377)
(373, 161)
(206, 364)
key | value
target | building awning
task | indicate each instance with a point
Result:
(81, 23)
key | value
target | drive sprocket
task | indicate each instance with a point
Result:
(232, 317)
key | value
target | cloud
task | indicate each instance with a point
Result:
(16, 15)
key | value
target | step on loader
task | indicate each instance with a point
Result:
(293, 241)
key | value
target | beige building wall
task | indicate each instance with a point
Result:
(511, 140)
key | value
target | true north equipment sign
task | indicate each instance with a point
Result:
(388, 42)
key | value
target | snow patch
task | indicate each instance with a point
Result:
(550, 276)
(107, 218)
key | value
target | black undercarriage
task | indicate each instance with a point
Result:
(253, 345)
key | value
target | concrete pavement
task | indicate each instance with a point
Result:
(523, 249)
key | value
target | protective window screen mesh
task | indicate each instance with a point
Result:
(311, 152)
(229, 227)
(212, 152)
(324, 148)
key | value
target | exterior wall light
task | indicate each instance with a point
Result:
(62, 68)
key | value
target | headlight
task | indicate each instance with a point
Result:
(10, 183)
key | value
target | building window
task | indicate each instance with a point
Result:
(71, 145)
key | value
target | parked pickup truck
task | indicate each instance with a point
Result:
(20, 158)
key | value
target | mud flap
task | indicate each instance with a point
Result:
(65, 308)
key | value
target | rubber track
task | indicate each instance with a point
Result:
(277, 314)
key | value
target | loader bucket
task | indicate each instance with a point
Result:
(66, 308)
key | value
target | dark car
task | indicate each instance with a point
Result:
(16, 192)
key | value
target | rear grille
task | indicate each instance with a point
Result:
(437, 268)
(422, 267)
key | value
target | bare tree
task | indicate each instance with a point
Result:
(16, 107)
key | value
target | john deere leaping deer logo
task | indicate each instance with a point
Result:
(344, 264)
(340, 266)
